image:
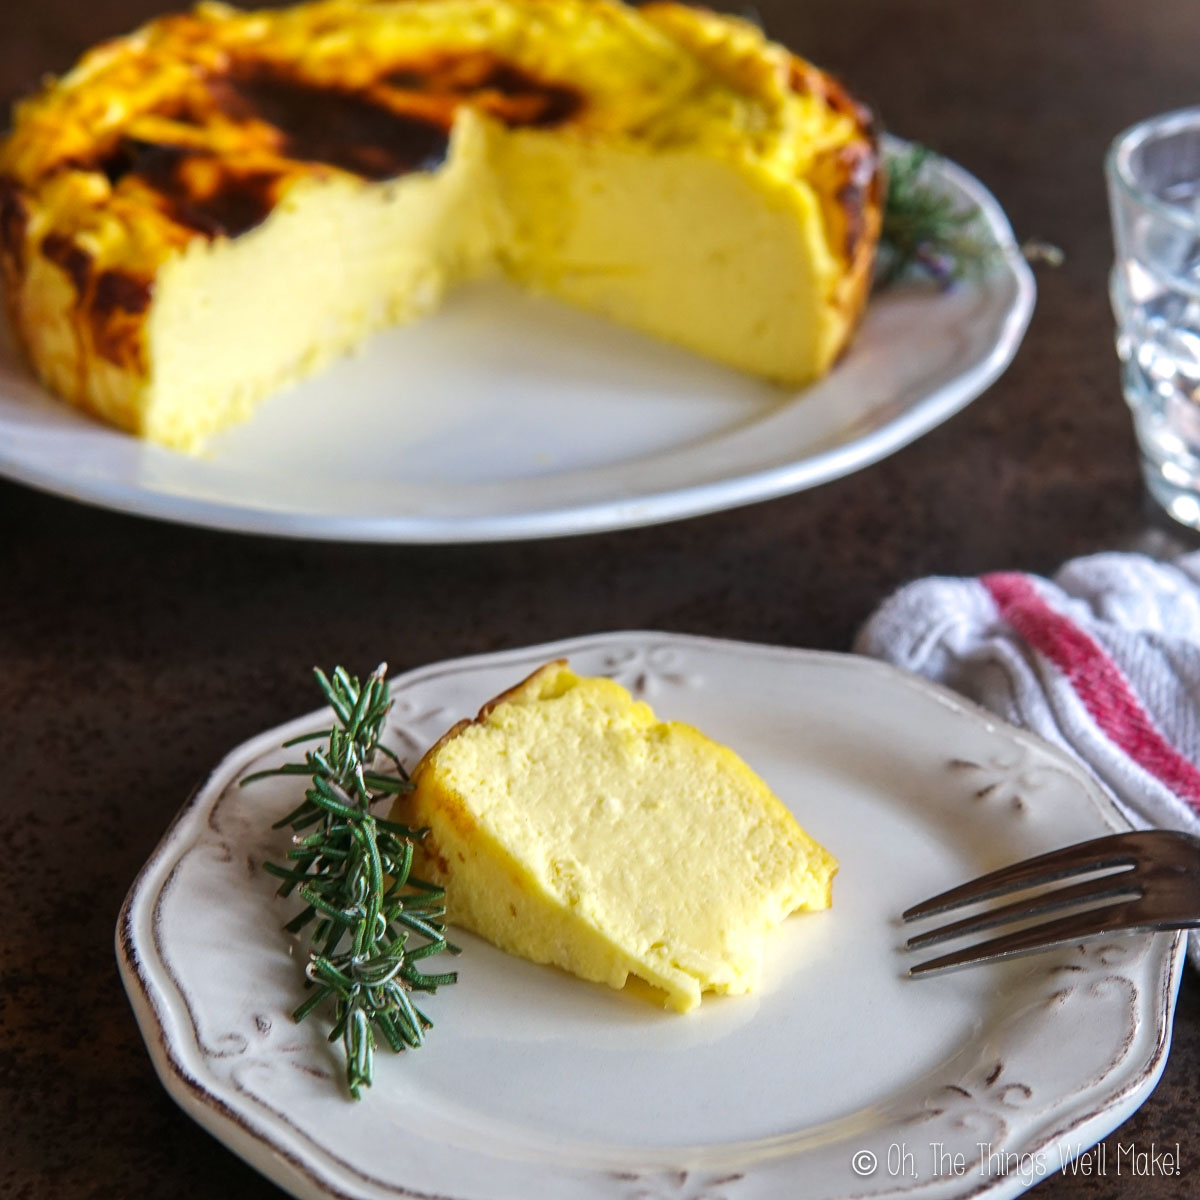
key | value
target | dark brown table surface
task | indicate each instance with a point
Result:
(134, 654)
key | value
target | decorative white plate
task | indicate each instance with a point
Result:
(507, 416)
(841, 1078)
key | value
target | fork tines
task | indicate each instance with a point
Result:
(1110, 902)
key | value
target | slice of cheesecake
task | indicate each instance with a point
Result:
(218, 204)
(570, 826)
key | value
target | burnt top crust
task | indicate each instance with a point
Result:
(398, 123)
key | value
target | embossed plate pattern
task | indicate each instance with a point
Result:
(507, 416)
(841, 1077)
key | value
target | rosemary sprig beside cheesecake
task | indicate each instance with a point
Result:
(925, 230)
(353, 870)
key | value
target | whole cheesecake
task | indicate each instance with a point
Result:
(216, 205)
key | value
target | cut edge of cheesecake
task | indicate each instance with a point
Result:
(542, 911)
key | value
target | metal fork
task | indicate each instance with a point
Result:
(1152, 881)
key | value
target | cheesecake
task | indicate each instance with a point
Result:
(217, 205)
(571, 827)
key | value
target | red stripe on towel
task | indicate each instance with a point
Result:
(1096, 679)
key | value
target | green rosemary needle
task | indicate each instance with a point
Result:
(926, 230)
(372, 921)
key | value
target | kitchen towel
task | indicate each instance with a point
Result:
(1103, 660)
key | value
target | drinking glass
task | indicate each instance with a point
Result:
(1153, 172)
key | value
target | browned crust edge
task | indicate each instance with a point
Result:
(853, 207)
(485, 711)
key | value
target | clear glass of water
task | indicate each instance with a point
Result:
(1153, 174)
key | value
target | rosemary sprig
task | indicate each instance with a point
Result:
(926, 230)
(352, 869)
